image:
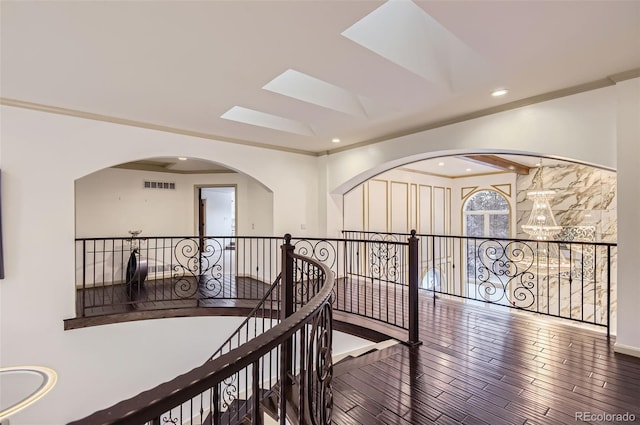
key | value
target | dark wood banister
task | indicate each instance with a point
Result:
(249, 317)
(152, 403)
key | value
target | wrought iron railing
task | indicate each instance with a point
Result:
(284, 371)
(568, 279)
(279, 360)
(115, 275)
(371, 275)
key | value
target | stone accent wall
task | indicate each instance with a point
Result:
(585, 196)
(585, 205)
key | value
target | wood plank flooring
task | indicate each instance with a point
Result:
(476, 365)
(168, 294)
(488, 366)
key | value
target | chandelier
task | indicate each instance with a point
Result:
(542, 224)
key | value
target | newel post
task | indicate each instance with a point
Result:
(413, 290)
(286, 309)
(287, 278)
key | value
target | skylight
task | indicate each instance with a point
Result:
(262, 119)
(309, 89)
(403, 33)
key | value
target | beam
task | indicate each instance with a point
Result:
(501, 163)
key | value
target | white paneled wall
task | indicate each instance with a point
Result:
(398, 201)
(399, 207)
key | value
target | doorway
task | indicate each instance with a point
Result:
(217, 212)
(216, 232)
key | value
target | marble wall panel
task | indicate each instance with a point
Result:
(585, 196)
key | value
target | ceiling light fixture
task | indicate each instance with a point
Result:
(441, 164)
(499, 92)
(335, 140)
(542, 224)
(468, 169)
(182, 158)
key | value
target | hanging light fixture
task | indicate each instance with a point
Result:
(542, 224)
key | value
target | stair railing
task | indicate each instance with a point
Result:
(285, 371)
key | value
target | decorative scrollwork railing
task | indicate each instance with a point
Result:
(372, 275)
(570, 278)
(285, 370)
(193, 272)
(186, 271)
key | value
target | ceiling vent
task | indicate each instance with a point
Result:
(159, 185)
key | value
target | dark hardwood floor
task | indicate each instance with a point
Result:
(169, 293)
(477, 365)
(488, 366)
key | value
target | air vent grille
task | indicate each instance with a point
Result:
(159, 185)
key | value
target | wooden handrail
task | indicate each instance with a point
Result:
(154, 402)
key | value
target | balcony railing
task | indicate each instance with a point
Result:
(568, 279)
(115, 275)
(284, 369)
(118, 275)
(278, 362)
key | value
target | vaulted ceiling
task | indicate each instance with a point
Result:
(296, 74)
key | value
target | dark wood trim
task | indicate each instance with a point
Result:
(232, 309)
(501, 163)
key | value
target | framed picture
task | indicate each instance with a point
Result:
(1, 253)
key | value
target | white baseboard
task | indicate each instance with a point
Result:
(626, 349)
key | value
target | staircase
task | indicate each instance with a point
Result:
(240, 411)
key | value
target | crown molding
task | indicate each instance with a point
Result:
(150, 126)
(580, 88)
(555, 94)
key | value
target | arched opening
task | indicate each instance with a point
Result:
(141, 234)
(451, 200)
(160, 196)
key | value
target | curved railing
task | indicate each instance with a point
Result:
(285, 371)
(206, 275)
(179, 272)
(279, 360)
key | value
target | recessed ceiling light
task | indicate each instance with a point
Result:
(511, 167)
(499, 92)
(335, 140)
(468, 169)
(182, 158)
(538, 164)
(441, 164)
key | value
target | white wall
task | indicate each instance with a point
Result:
(580, 127)
(628, 338)
(41, 157)
(112, 201)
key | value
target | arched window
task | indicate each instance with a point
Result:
(487, 214)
